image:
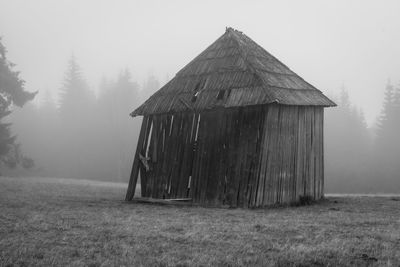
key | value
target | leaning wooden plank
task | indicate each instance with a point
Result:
(198, 162)
(177, 202)
(157, 158)
(222, 158)
(311, 153)
(248, 172)
(144, 152)
(243, 172)
(275, 159)
(192, 153)
(300, 153)
(232, 131)
(271, 157)
(215, 155)
(283, 173)
(173, 156)
(203, 138)
(316, 156)
(289, 157)
(239, 179)
(250, 135)
(185, 156)
(165, 162)
(224, 168)
(321, 144)
(278, 161)
(255, 156)
(162, 182)
(155, 155)
(250, 154)
(221, 152)
(295, 129)
(237, 153)
(135, 166)
(309, 177)
(208, 155)
(196, 159)
(173, 202)
(321, 151)
(263, 157)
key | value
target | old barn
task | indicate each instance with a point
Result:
(234, 127)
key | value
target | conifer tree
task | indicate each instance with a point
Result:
(12, 93)
(385, 120)
(76, 129)
(150, 87)
(75, 96)
(387, 147)
(347, 145)
(116, 100)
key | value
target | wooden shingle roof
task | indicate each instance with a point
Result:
(234, 71)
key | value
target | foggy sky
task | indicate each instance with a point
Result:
(328, 43)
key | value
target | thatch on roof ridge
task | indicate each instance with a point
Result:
(234, 71)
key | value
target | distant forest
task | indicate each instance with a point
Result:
(82, 136)
(359, 159)
(90, 136)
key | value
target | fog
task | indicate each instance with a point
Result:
(354, 43)
(338, 46)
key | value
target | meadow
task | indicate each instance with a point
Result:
(60, 222)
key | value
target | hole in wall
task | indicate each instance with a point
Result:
(221, 94)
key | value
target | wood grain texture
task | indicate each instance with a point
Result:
(247, 157)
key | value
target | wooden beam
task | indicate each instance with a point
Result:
(135, 166)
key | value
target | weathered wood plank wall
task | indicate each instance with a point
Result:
(247, 157)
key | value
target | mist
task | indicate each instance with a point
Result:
(93, 62)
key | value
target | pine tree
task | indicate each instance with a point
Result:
(75, 97)
(385, 120)
(387, 147)
(76, 113)
(396, 114)
(150, 87)
(126, 94)
(344, 99)
(12, 93)
(116, 100)
(347, 146)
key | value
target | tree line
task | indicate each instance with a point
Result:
(91, 136)
(83, 135)
(358, 158)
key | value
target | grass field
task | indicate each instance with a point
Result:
(78, 223)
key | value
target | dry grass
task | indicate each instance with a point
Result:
(87, 224)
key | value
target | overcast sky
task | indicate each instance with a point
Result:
(328, 43)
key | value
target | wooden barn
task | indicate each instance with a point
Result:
(234, 127)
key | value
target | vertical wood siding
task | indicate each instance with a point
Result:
(245, 157)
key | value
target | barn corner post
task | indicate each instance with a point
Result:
(136, 161)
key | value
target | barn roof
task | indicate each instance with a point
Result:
(234, 71)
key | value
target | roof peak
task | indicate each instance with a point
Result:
(230, 29)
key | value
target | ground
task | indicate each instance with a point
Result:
(79, 223)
